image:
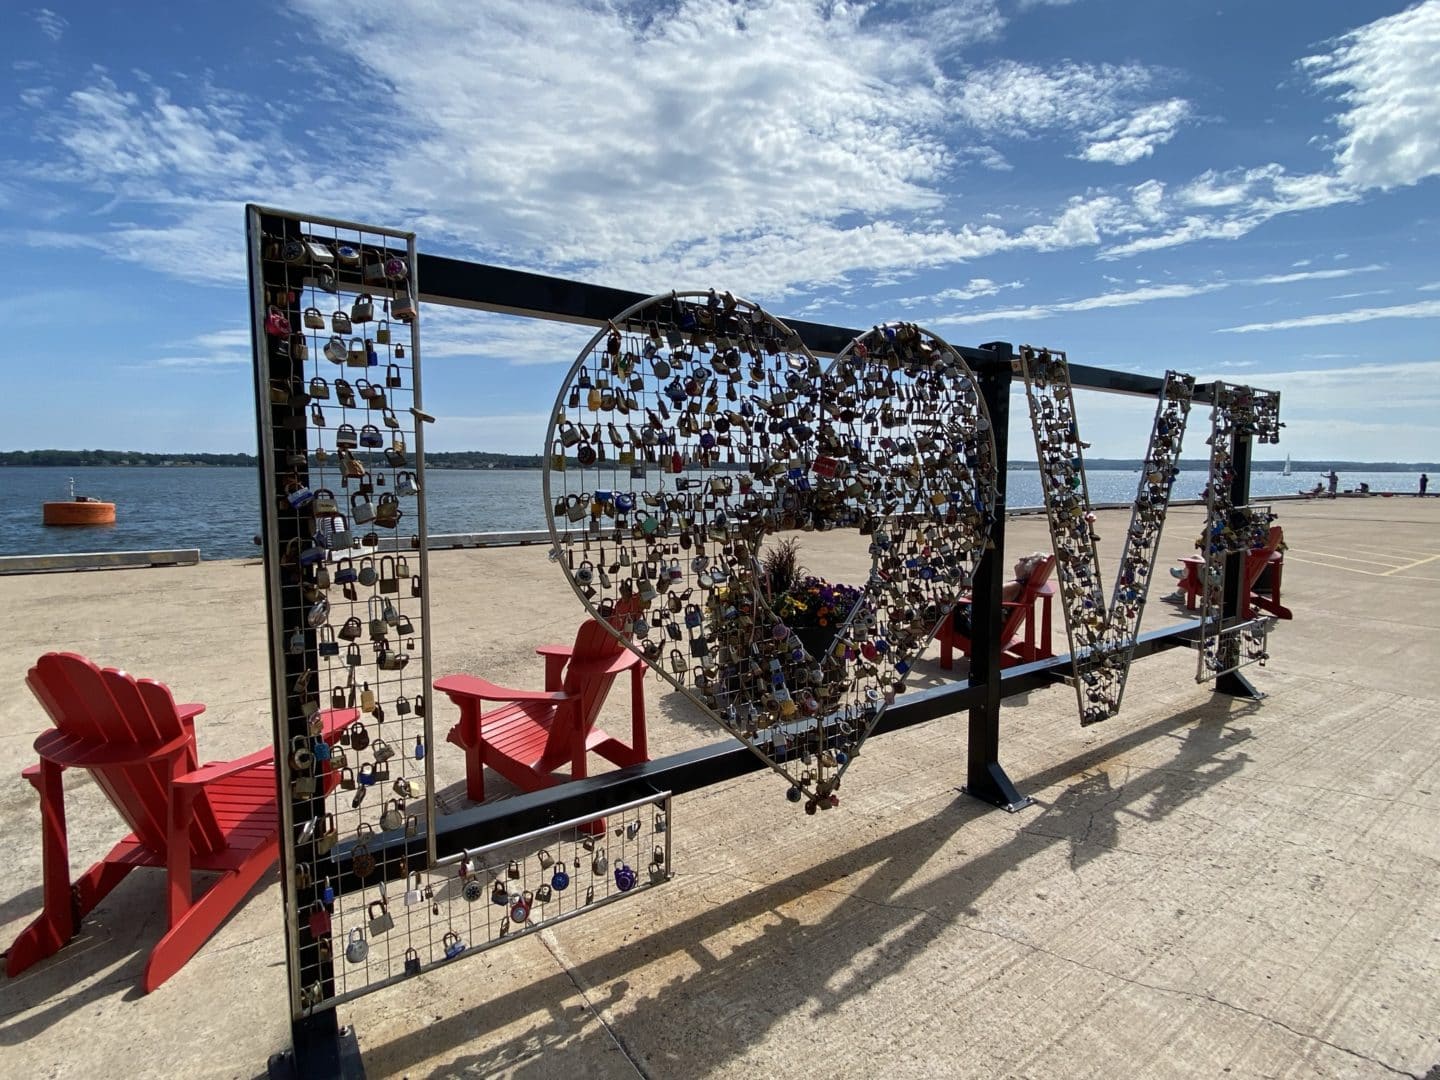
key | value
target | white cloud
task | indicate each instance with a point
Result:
(829, 173)
(973, 290)
(207, 351)
(452, 333)
(1315, 275)
(1425, 309)
(51, 25)
(1145, 293)
(1125, 141)
(1020, 99)
(1090, 303)
(1149, 199)
(1434, 286)
(1385, 73)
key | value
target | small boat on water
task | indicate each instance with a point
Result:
(1287, 466)
(79, 510)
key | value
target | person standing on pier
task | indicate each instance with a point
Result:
(1334, 482)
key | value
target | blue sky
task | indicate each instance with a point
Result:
(1248, 192)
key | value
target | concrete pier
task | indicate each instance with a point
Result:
(1207, 887)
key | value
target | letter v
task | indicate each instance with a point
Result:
(1102, 637)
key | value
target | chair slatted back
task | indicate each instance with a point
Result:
(1259, 558)
(109, 710)
(595, 650)
(1031, 588)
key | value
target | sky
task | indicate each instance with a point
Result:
(1240, 191)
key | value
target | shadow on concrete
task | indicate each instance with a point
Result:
(793, 967)
(115, 939)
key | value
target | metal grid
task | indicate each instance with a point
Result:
(1232, 531)
(468, 903)
(693, 427)
(338, 365)
(1101, 636)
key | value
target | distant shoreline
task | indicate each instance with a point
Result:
(479, 460)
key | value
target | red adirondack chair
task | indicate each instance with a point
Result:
(536, 732)
(140, 748)
(1262, 589)
(1018, 632)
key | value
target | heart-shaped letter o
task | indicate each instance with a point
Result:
(695, 427)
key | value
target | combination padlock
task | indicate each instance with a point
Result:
(520, 909)
(560, 880)
(624, 877)
(472, 890)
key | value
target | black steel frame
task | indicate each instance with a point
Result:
(321, 1048)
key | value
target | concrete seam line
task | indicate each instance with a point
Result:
(552, 945)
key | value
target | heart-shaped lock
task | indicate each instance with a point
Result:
(892, 439)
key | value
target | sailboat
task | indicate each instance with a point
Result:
(1287, 466)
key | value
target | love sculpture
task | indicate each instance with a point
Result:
(695, 427)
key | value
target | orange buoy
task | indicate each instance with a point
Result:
(79, 510)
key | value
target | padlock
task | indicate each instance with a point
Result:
(382, 922)
(452, 944)
(544, 858)
(544, 893)
(393, 816)
(560, 879)
(624, 877)
(657, 874)
(499, 895)
(599, 863)
(362, 862)
(363, 309)
(412, 962)
(302, 758)
(520, 909)
(318, 920)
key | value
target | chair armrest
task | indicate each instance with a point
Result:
(555, 650)
(624, 662)
(189, 711)
(55, 746)
(207, 774)
(476, 687)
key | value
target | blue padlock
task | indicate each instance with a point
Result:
(624, 877)
(453, 945)
(560, 880)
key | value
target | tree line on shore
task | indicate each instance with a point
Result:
(484, 459)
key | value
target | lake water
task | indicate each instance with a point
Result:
(218, 510)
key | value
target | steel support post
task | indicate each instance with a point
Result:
(985, 779)
(320, 1047)
(1232, 682)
